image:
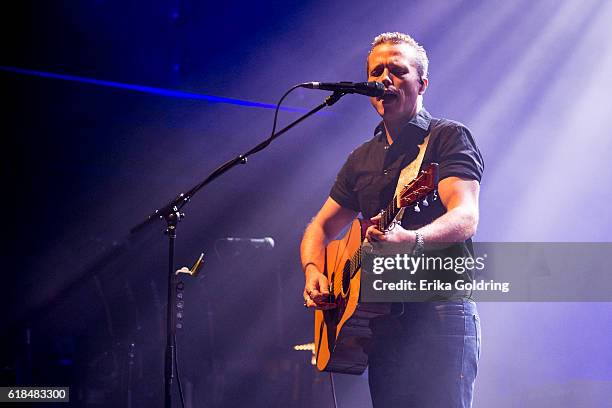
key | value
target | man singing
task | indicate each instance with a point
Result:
(424, 354)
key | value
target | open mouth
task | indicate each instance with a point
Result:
(388, 96)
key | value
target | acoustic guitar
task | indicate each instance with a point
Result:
(342, 334)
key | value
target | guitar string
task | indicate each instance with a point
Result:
(388, 216)
(341, 255)
(391, 211)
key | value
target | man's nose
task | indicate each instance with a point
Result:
(386, 78)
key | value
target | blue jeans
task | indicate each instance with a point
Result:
(427, 357)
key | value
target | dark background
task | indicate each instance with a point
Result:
(83, 302)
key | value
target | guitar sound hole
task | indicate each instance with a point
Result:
(346, 277)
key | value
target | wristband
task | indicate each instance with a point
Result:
(419, 244)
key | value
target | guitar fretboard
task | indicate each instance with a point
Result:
(420, 187)
(387, 217)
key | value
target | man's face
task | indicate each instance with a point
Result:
(394, 66)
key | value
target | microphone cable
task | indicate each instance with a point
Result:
(278, 105)
(270, 139)
(333, 389)
(263, 145)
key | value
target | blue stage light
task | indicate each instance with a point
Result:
(149, 89)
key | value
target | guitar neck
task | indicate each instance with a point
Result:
(385, 221)
(420, 187)
(388, 215)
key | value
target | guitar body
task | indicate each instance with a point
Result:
(342, 334)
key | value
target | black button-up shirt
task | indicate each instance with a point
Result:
(367, 181)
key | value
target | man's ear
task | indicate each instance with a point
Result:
(424, 83)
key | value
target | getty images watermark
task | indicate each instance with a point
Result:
(514, 271)
(439, 276)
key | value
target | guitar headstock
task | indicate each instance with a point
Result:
(420, 186)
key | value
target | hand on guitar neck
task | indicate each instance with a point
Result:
(397, 234)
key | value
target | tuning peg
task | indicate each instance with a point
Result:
(435, 195)
(425, 202)
(416, 208)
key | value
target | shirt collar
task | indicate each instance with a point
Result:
(420, 121)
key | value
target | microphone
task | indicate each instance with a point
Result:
(266, 243)
(376, 89)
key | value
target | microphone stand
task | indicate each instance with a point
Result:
(172, 214)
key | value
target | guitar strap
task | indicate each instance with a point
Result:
(408, 174)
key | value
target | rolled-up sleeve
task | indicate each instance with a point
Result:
(458, 154)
